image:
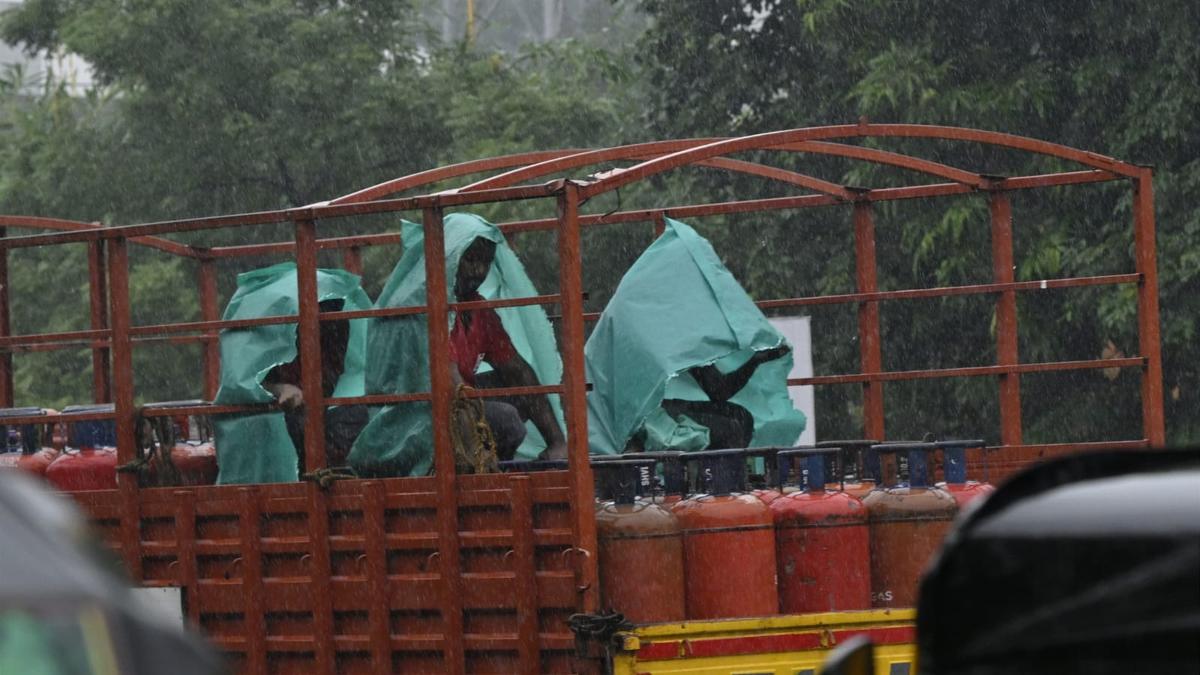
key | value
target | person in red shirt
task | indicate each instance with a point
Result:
(479, 337)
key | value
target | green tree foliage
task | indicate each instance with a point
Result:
(1120, 78)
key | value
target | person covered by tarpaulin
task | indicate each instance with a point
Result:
(509, 346)
(261, 365)
(683, 359)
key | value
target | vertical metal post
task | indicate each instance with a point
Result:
(320, 566)
(212, 342)
(870, 349)
(660, 224)
(574, 398)
(1000, 206)
(525, 574)
(6, 363)
(437, 315)
(1146, 262)
(98, 293)
(310, 345)
(352, 260)
(379, 632)
(126, 414)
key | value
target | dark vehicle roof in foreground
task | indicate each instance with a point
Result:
(1090, 563)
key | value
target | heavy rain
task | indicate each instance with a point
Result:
(599, 336)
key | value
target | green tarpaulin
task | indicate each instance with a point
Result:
(398, 440)
(676, 308)
(256, 448)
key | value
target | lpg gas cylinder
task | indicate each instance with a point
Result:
(24, 442)
(821, 544)
(38, 461)
(729, 544)
(766, 487)
(907, 522)
(861, 465)
(90, 461)
(196, 462)
(640, 546)
(954, 468)
(669, 465)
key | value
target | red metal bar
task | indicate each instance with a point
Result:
(946, 291)
(6, 362)
(1006, 318)
(125, 413)
(574, 399)
(254, 617)
(378, 615)
(970, 371)
(287, 247)
(36, 223)
(870, 349)
(212, 343)
(510, 302)
(352, 260)
(439, 375)
(525, 574)
(320, 566)
(98, 297)
(185, 551)
(809, 201)
(515, 391)
(310, 344)
(39, 338)
(1146, 259)
(888, 158)
(660, 224)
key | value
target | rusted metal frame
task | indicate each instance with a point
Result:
(207, 278)
(574, 398)
(870, 348)
(876, 156)
(34, 222)
(947, 291)
(254, 617)
(6, 362)
(508, 302)
(1000, 206)
(352, 260)
(320, 568)
(542, 389)
(375, 558)
(970, 371)
(40, 338)
(431, 176)
(379, 399)
(805, 201)
(1149, 341)
(125, 414)
(525, 574)
(148, 230)
(453, 649)
(582, 158)
(308, 332)
(185, 552)
(287, 247)
(440, 200)
(59, 418)
(789, 137)
(308, 335)
(1075, 447)
(208, 409)
(98, 306)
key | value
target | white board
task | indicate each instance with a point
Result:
(797, 331)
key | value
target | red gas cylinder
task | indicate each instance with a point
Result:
(822, 544)
(729, 544)
(954, 468)
(84, 469)
(669, 467)
(93, 466)
(765, 483)
(196, 462)
(24, 442)
(640, 546)
(908, 522)
(861, 465)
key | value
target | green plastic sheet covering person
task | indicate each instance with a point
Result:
(256, 448)
(676, 308)
(398, 441)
